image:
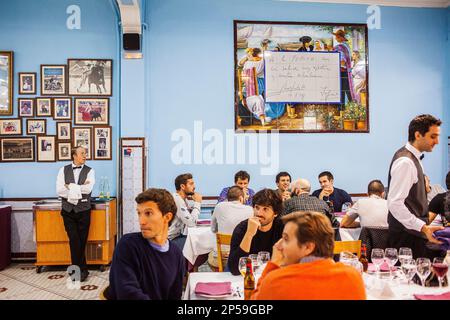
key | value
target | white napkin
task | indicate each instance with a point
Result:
(378, 288)
(74, 193)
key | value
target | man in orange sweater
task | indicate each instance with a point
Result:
(302, 267)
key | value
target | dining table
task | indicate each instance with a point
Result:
(378, 287)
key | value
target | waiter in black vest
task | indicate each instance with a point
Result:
(407, 198)
(76, 180)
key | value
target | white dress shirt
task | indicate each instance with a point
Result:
(403, 176)
(183, 217)
(372, 211)
(61, 189)
(227, 215)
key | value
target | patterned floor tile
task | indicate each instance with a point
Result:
(37, 295)
(19, 270)
(88, 290)
(45, 279)
(13, 287)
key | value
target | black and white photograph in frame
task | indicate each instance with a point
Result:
(46, 148)
(17, 149)
(102, 143)
(90, 77)
(63, 151)
(82, 137)
(63, 130)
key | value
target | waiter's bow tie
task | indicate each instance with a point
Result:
(422, 156)
(76, 168)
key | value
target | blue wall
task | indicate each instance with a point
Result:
(190, 70)
(36, 31)
(188, 64)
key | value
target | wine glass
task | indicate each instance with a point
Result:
(346, 206)
(440, 268)
(391, 256)
(409, 268)
(263, 258)
(423, 269)
(404, 254)
(377, 258)
(243, 265)
(255, 264)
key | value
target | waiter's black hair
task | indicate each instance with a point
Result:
(421, 123)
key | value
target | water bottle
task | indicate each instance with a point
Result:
(106, 188)
(102, 188)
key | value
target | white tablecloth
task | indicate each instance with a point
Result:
(375, 289)
(200, 240)
(349, 234)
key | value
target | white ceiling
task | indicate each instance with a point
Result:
(395, 3)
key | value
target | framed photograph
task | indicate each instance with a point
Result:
(36, 126)
(82, 136)
(26, 107)
(63, 151)
(63, 130)
(91, 111)
(102, 143)
(46, 148)
(43, 107)
(17, 149)
(27, 82)
(301, 77)
(90, 77)
(53, 80)
(62, 108)
(11, 126)
(6, 83)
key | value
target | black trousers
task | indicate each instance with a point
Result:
(77, 228)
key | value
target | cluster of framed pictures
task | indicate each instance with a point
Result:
(90, 80)
(50, 148)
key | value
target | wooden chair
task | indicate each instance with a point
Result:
(350, 246)
(220, 240)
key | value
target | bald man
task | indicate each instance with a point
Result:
(302, 201)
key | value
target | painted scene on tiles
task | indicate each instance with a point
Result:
(301, 77)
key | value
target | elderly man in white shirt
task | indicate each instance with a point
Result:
(226, 216)
(74, 185)
(372, 211)
(407, 199)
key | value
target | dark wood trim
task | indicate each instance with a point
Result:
(26, 199)
(23, 255)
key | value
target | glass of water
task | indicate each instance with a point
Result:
(409, 268)
(423, 269)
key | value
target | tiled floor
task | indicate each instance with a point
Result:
(21, 282)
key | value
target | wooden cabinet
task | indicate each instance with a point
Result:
(52, 243)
